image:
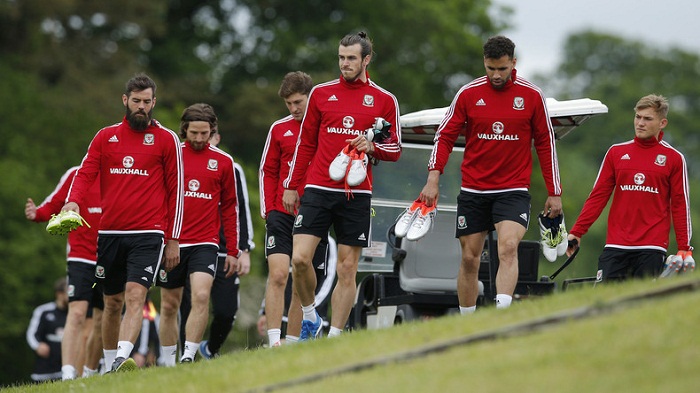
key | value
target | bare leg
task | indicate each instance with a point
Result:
(509, 235)
(468, 278)
(344, 292)
(170, 300)
(294, 316)
(72, 343)
(303, 273)
(199, 315)
(135, 297)
(111, 320)
(93, 347)
(278, 265)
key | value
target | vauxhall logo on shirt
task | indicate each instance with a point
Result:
(193, 190)
(497, 128)
(128, 163)
(639, 179)
(347, 129)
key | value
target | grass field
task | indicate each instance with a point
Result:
(631, 337)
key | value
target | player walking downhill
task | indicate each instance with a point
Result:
(500, 114)
(338, 115)
(85, 302)
(648, 179)
(210, 199)
(139, 163)
(225, 299)
(274, 168)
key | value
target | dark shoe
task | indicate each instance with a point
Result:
(124, 364)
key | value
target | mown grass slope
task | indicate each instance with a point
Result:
(631, 337)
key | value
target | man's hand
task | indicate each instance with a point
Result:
(290, 201)
(43, 350)
(570, 249)
(172, 254)
(431, 191)
(231, 265)
(240, 266)
(30, 209)
(552, 207)
(244, 264)
(688, 261)
(71, 206)
(361, 143)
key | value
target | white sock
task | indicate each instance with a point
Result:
(190, 350)
(503, 300)
(467, 310)
(168, 355)
(309, 312)
(289, 339)
(110, 355)
(68, 372)
(334, 332)
(124, 349)
(273, 336)
(88, 372)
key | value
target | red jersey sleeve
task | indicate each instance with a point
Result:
(447, 133)
(55, 201)
(269, 173)
(306, 143)
(174, 178)
(680, 204)
(390, 148)
(229, 209)
(545, 145)
(598, 198)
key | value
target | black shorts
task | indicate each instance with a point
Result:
(200, 258)
(127, 258)
(278, 233)
(349, 216)
(480, 212)
(82, 285)
(617, 264)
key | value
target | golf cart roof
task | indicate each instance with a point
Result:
(419, 127)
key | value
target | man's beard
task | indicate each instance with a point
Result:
(138, 123)
(354, 77)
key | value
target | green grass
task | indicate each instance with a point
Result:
(649, 345)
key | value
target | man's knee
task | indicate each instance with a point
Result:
(278, 278)
(300, 263)
(77, 311)
(169, 302)
(113, 303)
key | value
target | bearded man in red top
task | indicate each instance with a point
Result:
(500, 114)
(210, 199)
(337, 116)
(139, 163)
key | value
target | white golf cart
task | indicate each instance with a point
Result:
(403, 279)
